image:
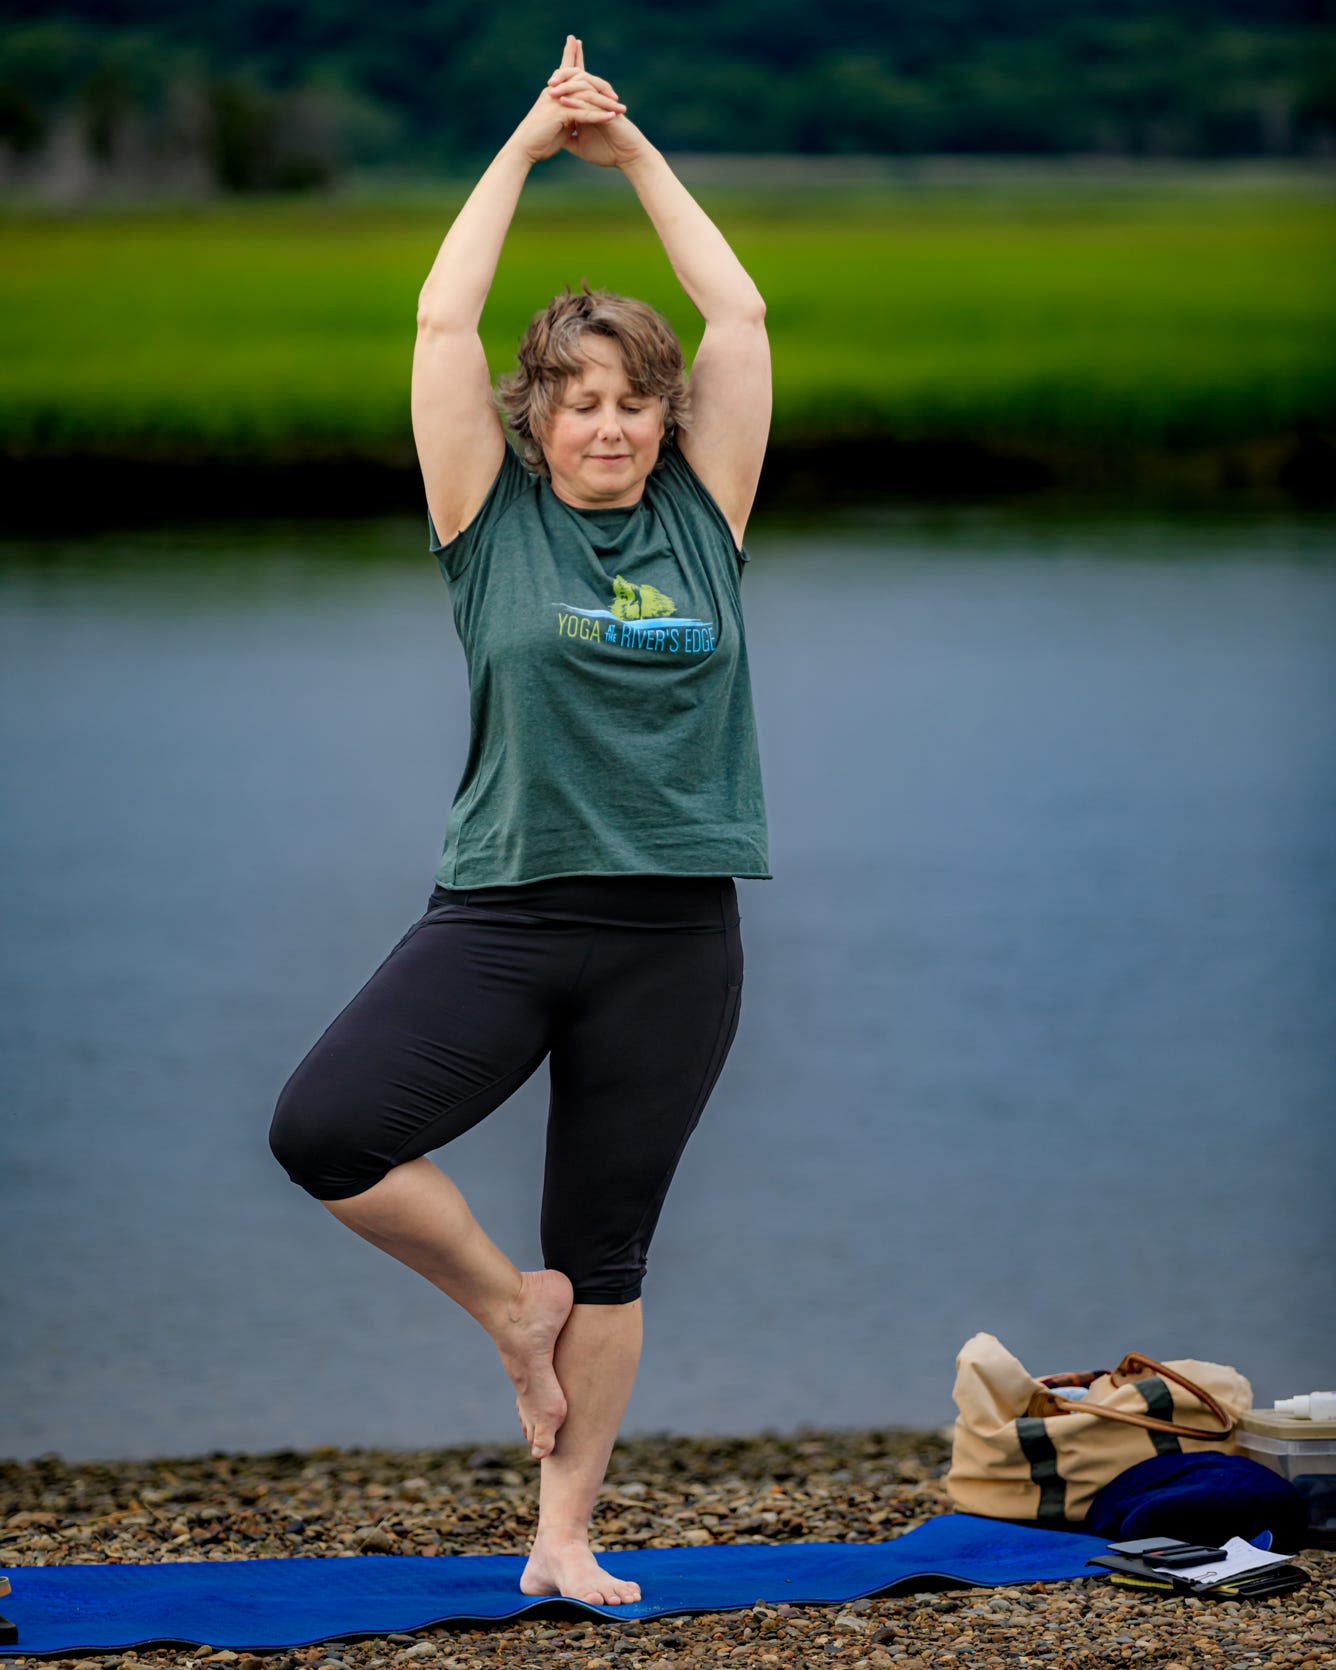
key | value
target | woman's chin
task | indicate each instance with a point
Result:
(601, 486)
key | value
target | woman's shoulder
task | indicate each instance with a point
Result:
(513, 482)
(678, 481)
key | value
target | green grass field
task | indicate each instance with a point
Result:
(1157, 319)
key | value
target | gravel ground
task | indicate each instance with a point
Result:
(813, 1487)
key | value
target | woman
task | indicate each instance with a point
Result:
(584, 908)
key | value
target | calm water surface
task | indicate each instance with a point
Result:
(1038, 1034)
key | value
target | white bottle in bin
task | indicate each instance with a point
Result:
(1309, 1406)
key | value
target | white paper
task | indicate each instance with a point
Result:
(1240, 1557)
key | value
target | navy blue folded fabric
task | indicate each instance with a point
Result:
(263, 1604)
(1203, 1497)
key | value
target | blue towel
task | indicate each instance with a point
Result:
(262, 1604)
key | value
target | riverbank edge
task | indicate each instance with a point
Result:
(662, 1491)
(51, 492)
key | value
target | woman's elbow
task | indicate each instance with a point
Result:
(746, 309)
(435, 322)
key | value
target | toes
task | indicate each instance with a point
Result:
(542, 1437)
(614, 1594)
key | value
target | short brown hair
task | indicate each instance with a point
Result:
(549, 354)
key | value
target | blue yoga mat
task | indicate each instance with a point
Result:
(259, 1604)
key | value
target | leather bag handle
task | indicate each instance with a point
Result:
(1132, 1364)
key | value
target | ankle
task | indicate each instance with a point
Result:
(558, 1535)
(498, 1310)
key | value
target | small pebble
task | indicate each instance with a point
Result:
(375, 1541)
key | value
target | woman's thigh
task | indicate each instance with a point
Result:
(451, 1024)
(632, 1069)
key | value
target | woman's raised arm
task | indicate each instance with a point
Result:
(730, 375)
(455, 427)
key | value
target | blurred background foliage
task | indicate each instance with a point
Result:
(1028, 243)
(254, 96)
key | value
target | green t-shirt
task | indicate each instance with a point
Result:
(611, 724)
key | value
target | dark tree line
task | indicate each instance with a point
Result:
(258, 94)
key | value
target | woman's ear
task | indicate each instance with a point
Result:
(536, 442)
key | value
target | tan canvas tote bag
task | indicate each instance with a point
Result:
(1021, 1450)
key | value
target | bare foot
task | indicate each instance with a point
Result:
(570, 1569)
(525, 1339)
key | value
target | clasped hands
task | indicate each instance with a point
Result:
(580, 113)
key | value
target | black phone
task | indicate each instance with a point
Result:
(1184, 1556)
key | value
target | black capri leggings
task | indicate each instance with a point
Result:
(630, 985)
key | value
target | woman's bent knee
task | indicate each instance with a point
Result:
(318, 1143)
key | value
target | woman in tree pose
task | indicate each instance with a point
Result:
(584, 909)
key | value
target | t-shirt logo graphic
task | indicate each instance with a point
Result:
(651, 602)
(641, 617)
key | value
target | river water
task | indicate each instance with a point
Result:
(1039, 1034)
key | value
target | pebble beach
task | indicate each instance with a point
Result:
(661, 1492)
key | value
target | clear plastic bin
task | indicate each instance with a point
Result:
(1304, 1452)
